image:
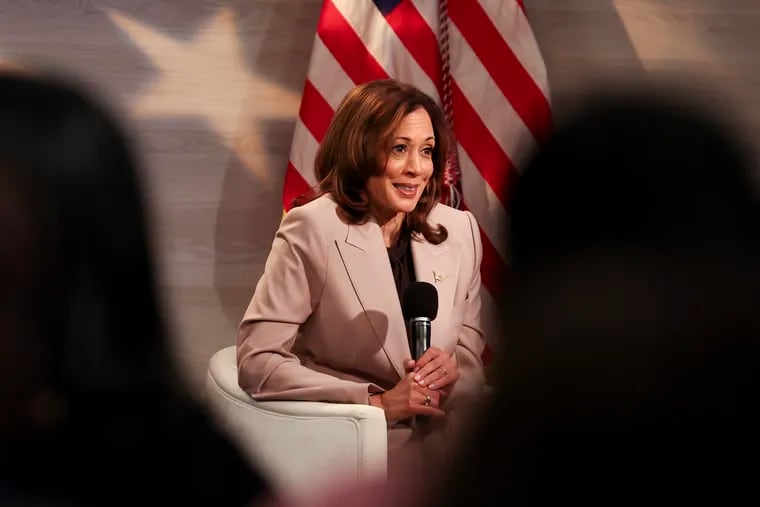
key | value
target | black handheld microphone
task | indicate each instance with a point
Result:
(419, 305)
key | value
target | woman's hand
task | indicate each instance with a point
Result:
(408, 398)
(436, 369)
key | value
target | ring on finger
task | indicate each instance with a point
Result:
(428, 401)
(443, 368)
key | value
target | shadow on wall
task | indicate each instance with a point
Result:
(210, 89)
(582, 42)
(245, 226)
(250, 209)
(705, 49)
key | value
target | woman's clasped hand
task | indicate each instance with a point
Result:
(423, 388)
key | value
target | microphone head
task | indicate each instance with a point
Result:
(420, 299)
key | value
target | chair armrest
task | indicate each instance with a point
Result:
(320, 409)
(301, 446)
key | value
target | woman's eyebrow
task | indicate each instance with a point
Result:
(430, 138)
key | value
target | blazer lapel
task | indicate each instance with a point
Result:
(366, 260)
(437, 265)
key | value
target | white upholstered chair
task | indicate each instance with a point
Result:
(302, 447)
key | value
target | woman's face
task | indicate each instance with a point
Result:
(407, 167)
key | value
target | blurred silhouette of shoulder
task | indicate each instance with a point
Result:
(632, 353)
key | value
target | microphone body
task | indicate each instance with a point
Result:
(418, 330)
(419, 305)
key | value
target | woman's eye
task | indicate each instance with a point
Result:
(399, 148)
(428, 152)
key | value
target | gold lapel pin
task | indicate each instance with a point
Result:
(437, 277)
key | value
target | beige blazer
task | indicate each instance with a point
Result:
(325, 321)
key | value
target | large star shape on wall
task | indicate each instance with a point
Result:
(207, 77)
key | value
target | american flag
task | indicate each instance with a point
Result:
(477, 58)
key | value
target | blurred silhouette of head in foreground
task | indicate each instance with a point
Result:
(90, 406)
(636, 172)
(79, 284)
(631, 360)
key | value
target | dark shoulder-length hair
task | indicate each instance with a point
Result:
(354, 148)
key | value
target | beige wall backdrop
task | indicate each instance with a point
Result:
(210, 90)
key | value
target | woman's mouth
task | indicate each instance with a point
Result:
(406, 190)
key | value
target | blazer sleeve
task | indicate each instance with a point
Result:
(470, 342)
(285, 296)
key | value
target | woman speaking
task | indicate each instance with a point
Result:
(325, 322)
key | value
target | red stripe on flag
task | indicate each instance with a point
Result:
(521, 4)
(348, 49)
(497, 57)
(493, 269)
(293, 187)
(315, 112)
(484, 151)
(493, 273)
(416, 35)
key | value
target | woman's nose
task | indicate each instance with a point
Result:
(413, 164)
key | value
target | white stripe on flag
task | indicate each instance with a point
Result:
(429, 11)
(383, 43)
(510, 21)
(302, 152)
(489, 102)
(327, 76)
(480, 199)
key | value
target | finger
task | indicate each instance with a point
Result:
(427, 398)
(449, 374)
(426, 378)
(435, 397)
(434, 363)
(444, 378)
(427, 356)
(409, 365)
(426, 374)
(429, 411)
